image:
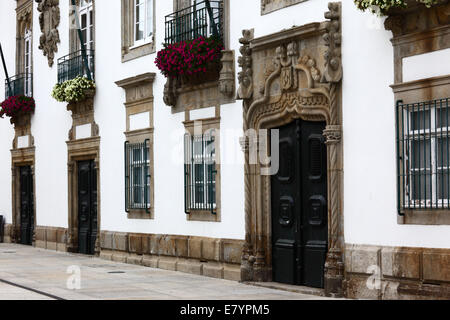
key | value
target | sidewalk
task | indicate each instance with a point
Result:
(47, 272)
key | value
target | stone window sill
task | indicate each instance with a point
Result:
(138, 51)
(205, 216)
(141, 214)
(425, 217)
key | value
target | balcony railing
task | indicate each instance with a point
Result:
(201, 19)
(20, 84)
(73, 65)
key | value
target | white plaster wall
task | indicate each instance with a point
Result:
(370, 205)
(369, 135)
(8, 42)
(50, 126)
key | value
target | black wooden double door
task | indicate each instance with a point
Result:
(26, 205)
(299, 206)
(87, 207)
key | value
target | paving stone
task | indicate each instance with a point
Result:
(46, 271)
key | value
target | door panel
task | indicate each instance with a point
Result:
(87, 207)
(26, 206)
(285, 207)
(299, 206)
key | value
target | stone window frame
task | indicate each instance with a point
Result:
(129, 51)
(269, 6)
(24, 21)
(415, 92)
(207, 124)
(412, 39)
(139, 99)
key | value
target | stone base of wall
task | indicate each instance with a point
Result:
(217, 258)
(7, 234)
(51, 238)
(397, 273)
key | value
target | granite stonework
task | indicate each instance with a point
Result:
(403, 273)
(51, 238)
(217, 258)
(7, 233)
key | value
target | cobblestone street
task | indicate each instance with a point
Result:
(27, 273)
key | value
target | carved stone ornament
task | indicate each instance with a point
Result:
(417, 18)
(83, 113)
(333, 66)
(49, 19)
(245, 89)
(226, 80)
(302, 80)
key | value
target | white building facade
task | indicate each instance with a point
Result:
(162, 171)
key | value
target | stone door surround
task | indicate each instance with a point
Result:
(300, 77)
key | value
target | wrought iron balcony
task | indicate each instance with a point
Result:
(20, 84)
(73, 65)
(201, 19)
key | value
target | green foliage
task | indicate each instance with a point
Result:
(72, 90)
(384, 5)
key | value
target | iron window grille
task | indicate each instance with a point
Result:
(21, 84)
(200, 172)
(137, 176)
(423, 155)
(73, 65)
(203, 18)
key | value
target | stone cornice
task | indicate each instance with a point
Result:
(145, 78)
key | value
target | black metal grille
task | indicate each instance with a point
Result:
(423, 155)
(20, 84)
(200, 172)
(204, 18)
(73, 65)
(137, 176)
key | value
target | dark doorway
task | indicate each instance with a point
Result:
(26, 206)
(299, 206)
(87, 207)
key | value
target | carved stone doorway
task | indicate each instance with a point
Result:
(299, 77)
(81, 152)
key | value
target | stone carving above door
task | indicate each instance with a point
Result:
(49, 20)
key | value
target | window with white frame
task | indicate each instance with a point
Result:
(87, 23)
(27, 63)
(143, 21)
(424, 154)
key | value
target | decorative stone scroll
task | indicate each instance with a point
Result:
(300, 77)
(49, 19)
